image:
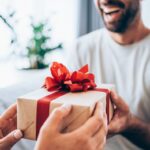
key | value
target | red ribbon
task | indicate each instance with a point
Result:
(62, 79)
(43, 106)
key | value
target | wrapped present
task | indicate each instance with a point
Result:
(77, 88)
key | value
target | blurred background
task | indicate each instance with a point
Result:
(33, 33)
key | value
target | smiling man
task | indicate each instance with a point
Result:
(120, 54)
(118, 15)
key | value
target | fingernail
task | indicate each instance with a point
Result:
(67, 106)
(18, 134)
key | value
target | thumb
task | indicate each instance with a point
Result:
(11, 139)
(56, 117)
(111, 128)
(114, 126)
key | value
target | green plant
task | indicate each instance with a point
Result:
(38, 45)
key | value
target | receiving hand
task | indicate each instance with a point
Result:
(90, 136)
(122, 115)
(9, 135)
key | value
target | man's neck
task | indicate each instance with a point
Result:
(134, 33)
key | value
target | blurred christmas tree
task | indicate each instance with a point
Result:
(38, 46)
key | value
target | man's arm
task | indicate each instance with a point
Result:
(125, 123)
(138, 133)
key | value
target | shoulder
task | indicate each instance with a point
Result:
(83, 48)
(89, 42)
(92, 37)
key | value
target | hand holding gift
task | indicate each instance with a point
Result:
(77, 88)
(90, 136)
(9, 135)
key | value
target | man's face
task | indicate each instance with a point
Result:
(118, 14)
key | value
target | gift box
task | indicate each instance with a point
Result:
(77, 88)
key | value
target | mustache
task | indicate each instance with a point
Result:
(112, 3)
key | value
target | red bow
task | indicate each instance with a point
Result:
(62, 79)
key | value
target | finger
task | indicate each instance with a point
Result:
(112, 127)
(10, 112)
(94, 123)
(100, 137)
(11, 139)
(56, 117)
(118, 101)
(102, 131)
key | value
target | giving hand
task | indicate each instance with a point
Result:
(90, 136)
(9, 135)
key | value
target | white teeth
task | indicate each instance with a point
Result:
(110, 9)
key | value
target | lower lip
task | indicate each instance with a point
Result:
(112, 17)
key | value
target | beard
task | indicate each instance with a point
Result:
(126, 17)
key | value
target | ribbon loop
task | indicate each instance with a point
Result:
(62, 79)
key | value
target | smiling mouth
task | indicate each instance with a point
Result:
(112, 12)
(109, 10)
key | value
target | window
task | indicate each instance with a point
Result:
(61, 14)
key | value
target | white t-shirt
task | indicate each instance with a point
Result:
(128, 67)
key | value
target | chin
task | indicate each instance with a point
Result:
(116, 30)
(116, 27)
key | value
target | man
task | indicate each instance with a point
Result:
(120, 54)
(90, 136)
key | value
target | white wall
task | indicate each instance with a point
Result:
(62, 15)
(146, 12)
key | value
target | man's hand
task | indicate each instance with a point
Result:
(122, 115)
(9, 135)
(130, 126)
(90, 136)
